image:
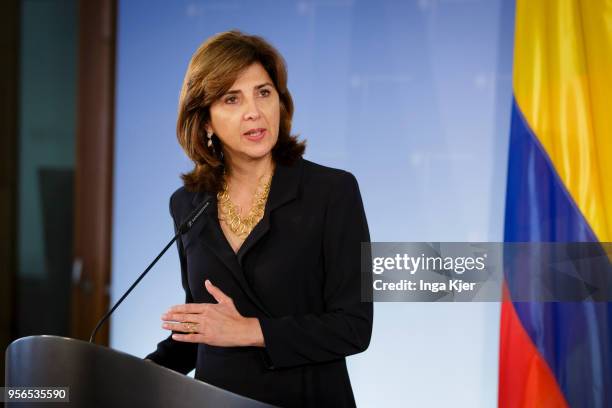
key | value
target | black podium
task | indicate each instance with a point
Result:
(101, 377)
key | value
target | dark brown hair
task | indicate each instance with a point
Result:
(212, 70)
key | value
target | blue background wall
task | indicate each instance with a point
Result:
(413, 97)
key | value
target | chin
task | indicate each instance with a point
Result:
(258, 152)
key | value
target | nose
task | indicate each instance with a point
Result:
(251, 110)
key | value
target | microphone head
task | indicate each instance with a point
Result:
(195, 214)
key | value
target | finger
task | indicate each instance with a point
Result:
(188, 338)
(183, 327)
(182, 317)
(216, 292)
(186, 308)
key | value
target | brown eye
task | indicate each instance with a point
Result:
(230, 100)
(265, 92)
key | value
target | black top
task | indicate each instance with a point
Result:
(298, 272)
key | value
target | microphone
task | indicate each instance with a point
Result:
(183, 228)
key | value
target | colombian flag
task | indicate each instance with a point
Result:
(559, 189)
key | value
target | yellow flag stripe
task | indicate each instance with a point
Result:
(562, 81)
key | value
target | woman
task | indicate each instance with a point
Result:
(272, 271)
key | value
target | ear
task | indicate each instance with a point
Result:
(208, 127)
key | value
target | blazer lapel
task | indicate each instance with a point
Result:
(212, 236)
(284, 188)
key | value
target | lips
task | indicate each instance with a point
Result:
(255, 134)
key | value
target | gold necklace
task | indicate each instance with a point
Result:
(242, 226)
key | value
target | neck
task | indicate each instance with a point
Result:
(249, 172)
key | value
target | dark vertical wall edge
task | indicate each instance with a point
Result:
(94, 165)
(9, 126)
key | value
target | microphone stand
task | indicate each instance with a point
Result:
(185, 226)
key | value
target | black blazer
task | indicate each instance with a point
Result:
(299, 273)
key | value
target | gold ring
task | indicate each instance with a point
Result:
(191, 327)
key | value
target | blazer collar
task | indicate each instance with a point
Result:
(284, 189)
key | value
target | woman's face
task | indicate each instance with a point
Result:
(246, 118)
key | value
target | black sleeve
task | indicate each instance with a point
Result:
(176, 355)
(345, 327)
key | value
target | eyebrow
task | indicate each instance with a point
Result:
(237, 91)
